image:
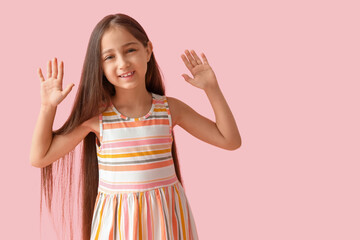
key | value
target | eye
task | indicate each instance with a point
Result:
(131, 49)
(107, 58)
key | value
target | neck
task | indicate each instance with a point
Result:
(130, 99)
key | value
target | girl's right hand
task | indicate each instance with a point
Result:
(51, 89)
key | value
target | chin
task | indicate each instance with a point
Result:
(126, 86)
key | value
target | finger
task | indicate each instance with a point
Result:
(61, 71)
(187, 63)
(68, 88)
(191, 59)
(204, 58)
(54, 68)
(41, 75)
(197, 59)
(49, 69)
(187, 78)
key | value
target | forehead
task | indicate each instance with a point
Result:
(116, 37)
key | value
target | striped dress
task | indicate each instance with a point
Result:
(139, 195)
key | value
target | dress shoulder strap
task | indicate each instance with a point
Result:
(162, 99)
(167, 110)
(99, 141)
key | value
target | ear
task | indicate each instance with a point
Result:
(149, 50)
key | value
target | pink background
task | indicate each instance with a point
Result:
(289, 71)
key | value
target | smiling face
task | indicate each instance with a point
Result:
(122, 53)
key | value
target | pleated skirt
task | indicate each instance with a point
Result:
(162, 213)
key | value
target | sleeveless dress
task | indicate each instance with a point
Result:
(139, 195)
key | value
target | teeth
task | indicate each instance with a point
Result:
(126, 74)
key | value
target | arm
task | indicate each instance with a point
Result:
(225, 121)
(44, 148)
(222, 133)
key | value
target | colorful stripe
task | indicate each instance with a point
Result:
(139, 195)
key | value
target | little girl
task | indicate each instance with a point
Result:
(131, 181)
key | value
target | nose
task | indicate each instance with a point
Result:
(122, 62)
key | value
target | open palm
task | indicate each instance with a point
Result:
(51, 88)
(203, 74)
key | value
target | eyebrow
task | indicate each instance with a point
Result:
(126, 44)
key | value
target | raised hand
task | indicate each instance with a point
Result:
(51, 88)
(204, 76)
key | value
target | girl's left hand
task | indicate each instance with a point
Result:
(204, 76)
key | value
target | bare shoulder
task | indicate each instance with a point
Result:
(176, 107)
(184, 114)
(173, 107)
(93, 125)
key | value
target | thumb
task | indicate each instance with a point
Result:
(186, 77)
(68, 89)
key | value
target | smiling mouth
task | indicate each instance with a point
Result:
(127, 75)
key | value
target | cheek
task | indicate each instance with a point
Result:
(144, 65)
(107, 75)
(108, 70)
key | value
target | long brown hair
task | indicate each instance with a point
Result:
(92, 98)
